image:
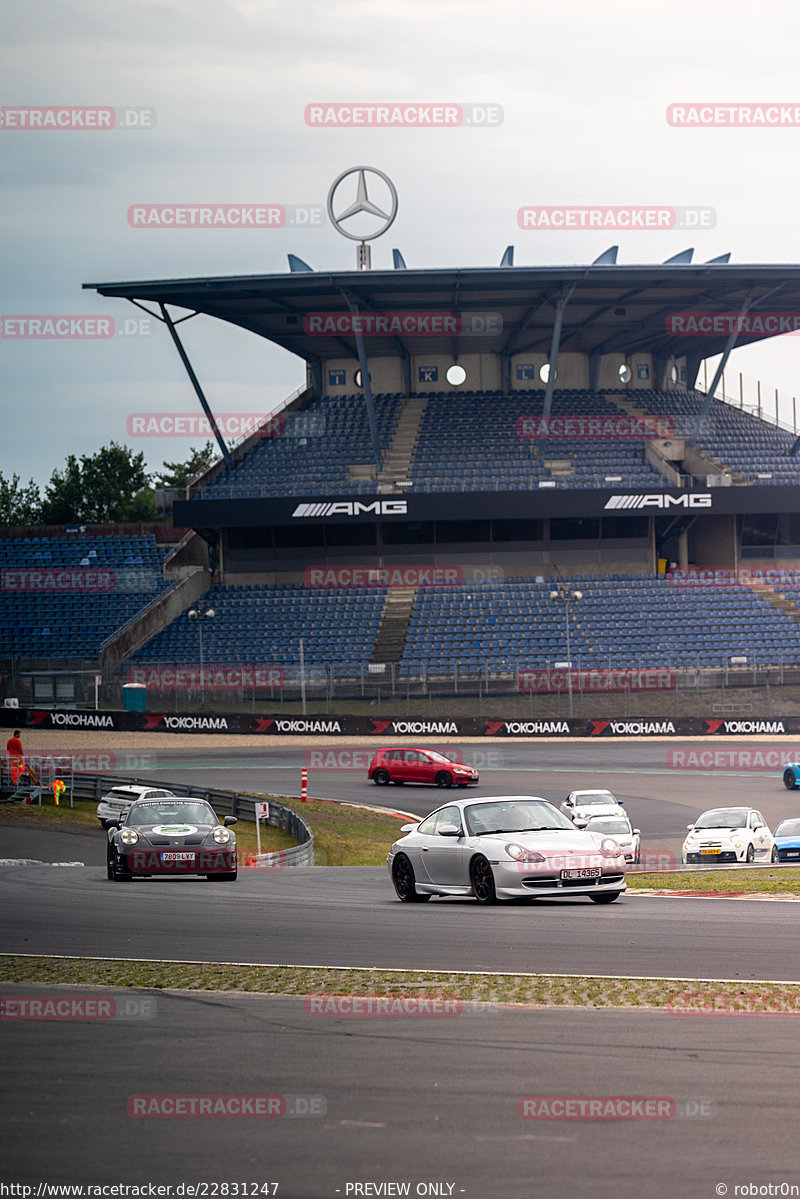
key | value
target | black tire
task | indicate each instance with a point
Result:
(109, 871)
(482, 879)
(117, 876)
(404, 881)
(444, 779)
(750, 856)
(788, 780)
(381, 777)
(774, 856)
(222, 878)
(606, 897)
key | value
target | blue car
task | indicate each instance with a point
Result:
(791, 775)
(787, 840)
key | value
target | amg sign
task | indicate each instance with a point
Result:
(352, 508)
(659, 499)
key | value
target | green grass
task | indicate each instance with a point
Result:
(782, 881)
(346, 835)
(530, 990)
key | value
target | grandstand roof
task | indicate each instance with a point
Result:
(612, 307)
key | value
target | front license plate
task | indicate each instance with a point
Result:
(586, 872)
(710, 852)
(177, 857)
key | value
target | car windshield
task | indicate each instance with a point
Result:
(789, 828)
(171, 812)
(608, 824)
(586, 799)
(723, 818)
(516, 816)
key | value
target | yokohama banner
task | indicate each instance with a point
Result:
(409, 729)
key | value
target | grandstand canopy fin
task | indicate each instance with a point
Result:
(508, 257)
(684, 256)
(296, 265)
(608, 257)
(719, 259)
(398, 261)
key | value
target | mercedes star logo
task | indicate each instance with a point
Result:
(362, 203)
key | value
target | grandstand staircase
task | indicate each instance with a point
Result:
(661, 454)
(776, 598)
(390, 640)
(399, 454)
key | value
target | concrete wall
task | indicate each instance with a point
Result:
(157, 616)
(484, 372)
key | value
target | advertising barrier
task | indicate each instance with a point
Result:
(408, 728)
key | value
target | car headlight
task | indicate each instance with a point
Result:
(129, 836)
(221, 835)
(610, 846)
(520, 854)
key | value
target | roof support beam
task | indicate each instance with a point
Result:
(747, 303)
(561, 304)
(196, 385)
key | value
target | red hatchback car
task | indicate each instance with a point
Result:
(419, 766)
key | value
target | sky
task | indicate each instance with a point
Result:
(219, 93)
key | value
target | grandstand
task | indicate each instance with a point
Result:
(500, 477)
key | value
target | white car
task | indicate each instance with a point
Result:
(620, 828)
(581, 806)
(115, 803)
(730, 835)
(504, 847)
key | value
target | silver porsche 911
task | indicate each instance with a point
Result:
(504, 847)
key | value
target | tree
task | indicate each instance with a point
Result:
(180, 474)
(18, 505)
(110, 486)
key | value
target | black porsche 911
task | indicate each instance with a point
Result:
(173, 836)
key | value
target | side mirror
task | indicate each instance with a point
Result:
(568, 803)
(408, 828)
(111, 824)
(690, 827)
(636, 832)
(229, 820)
(449, 830)
(581, 822)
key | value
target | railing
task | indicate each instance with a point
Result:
(225, 803)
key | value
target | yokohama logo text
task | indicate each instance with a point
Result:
(660, 499)
(352, 508)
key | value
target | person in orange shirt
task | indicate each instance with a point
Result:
(16, 759)
(14, 746)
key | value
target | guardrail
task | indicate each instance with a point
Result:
(224, 803)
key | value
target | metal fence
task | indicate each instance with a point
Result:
(225, 803)
(761, 682)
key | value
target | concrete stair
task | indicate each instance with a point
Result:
(399, 454)
(393, 629)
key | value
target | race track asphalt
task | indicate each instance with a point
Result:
(417, 1102)
(413, 1101)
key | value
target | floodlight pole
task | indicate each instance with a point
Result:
(566, 594)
